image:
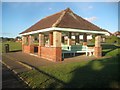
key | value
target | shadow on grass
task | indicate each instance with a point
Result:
(108, 48)
(96, 74)
(15, 51)
(57, 83)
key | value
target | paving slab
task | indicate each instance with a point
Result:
(13, 65)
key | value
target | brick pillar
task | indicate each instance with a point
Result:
(31, 38)
(25, 39)
(50, 38)
(77, 39)
(23, 42)
(98, 48)
(69, 39)
(31, 45)
(41, 43)
(41, 39)
(57, 46)
(84, 39)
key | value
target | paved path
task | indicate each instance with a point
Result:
(12, 59)
(10, 80)
(26, 58)
(14, 65)
(37, 61)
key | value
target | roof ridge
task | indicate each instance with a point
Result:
(59, 19)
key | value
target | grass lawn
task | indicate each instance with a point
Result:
(14, 46)
(96, 73)
(102, 72)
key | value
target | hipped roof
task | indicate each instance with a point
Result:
(63, 19)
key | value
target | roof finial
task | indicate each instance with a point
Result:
(68, 10)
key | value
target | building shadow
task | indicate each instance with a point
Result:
(15, 51)
(103, 73)
(110, 48)
(97, 74)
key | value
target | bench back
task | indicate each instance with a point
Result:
(74, 48)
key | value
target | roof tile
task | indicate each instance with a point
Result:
(63, 19)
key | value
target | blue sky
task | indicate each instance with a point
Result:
(17, 17)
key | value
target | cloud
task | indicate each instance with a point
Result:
(90, 7)
(49, 8)
(91, 18)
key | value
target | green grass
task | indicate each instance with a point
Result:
(39, 80)
(13, 46)
(114, 52)
(95, 73)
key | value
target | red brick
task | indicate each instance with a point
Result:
(98, 52)
(51, 38)
(50, 53)
(28, 48)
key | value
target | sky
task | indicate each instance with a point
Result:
(18, 16)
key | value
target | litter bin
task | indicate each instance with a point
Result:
(6, 48)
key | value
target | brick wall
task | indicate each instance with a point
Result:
(50, 53)
(28, 48)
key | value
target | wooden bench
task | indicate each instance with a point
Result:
(76, 49)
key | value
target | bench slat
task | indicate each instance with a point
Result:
(76, 49)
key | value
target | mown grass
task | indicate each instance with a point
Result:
(13, 46)
(95, 73)
(114, 52)
(39, 80)
(99, 73)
